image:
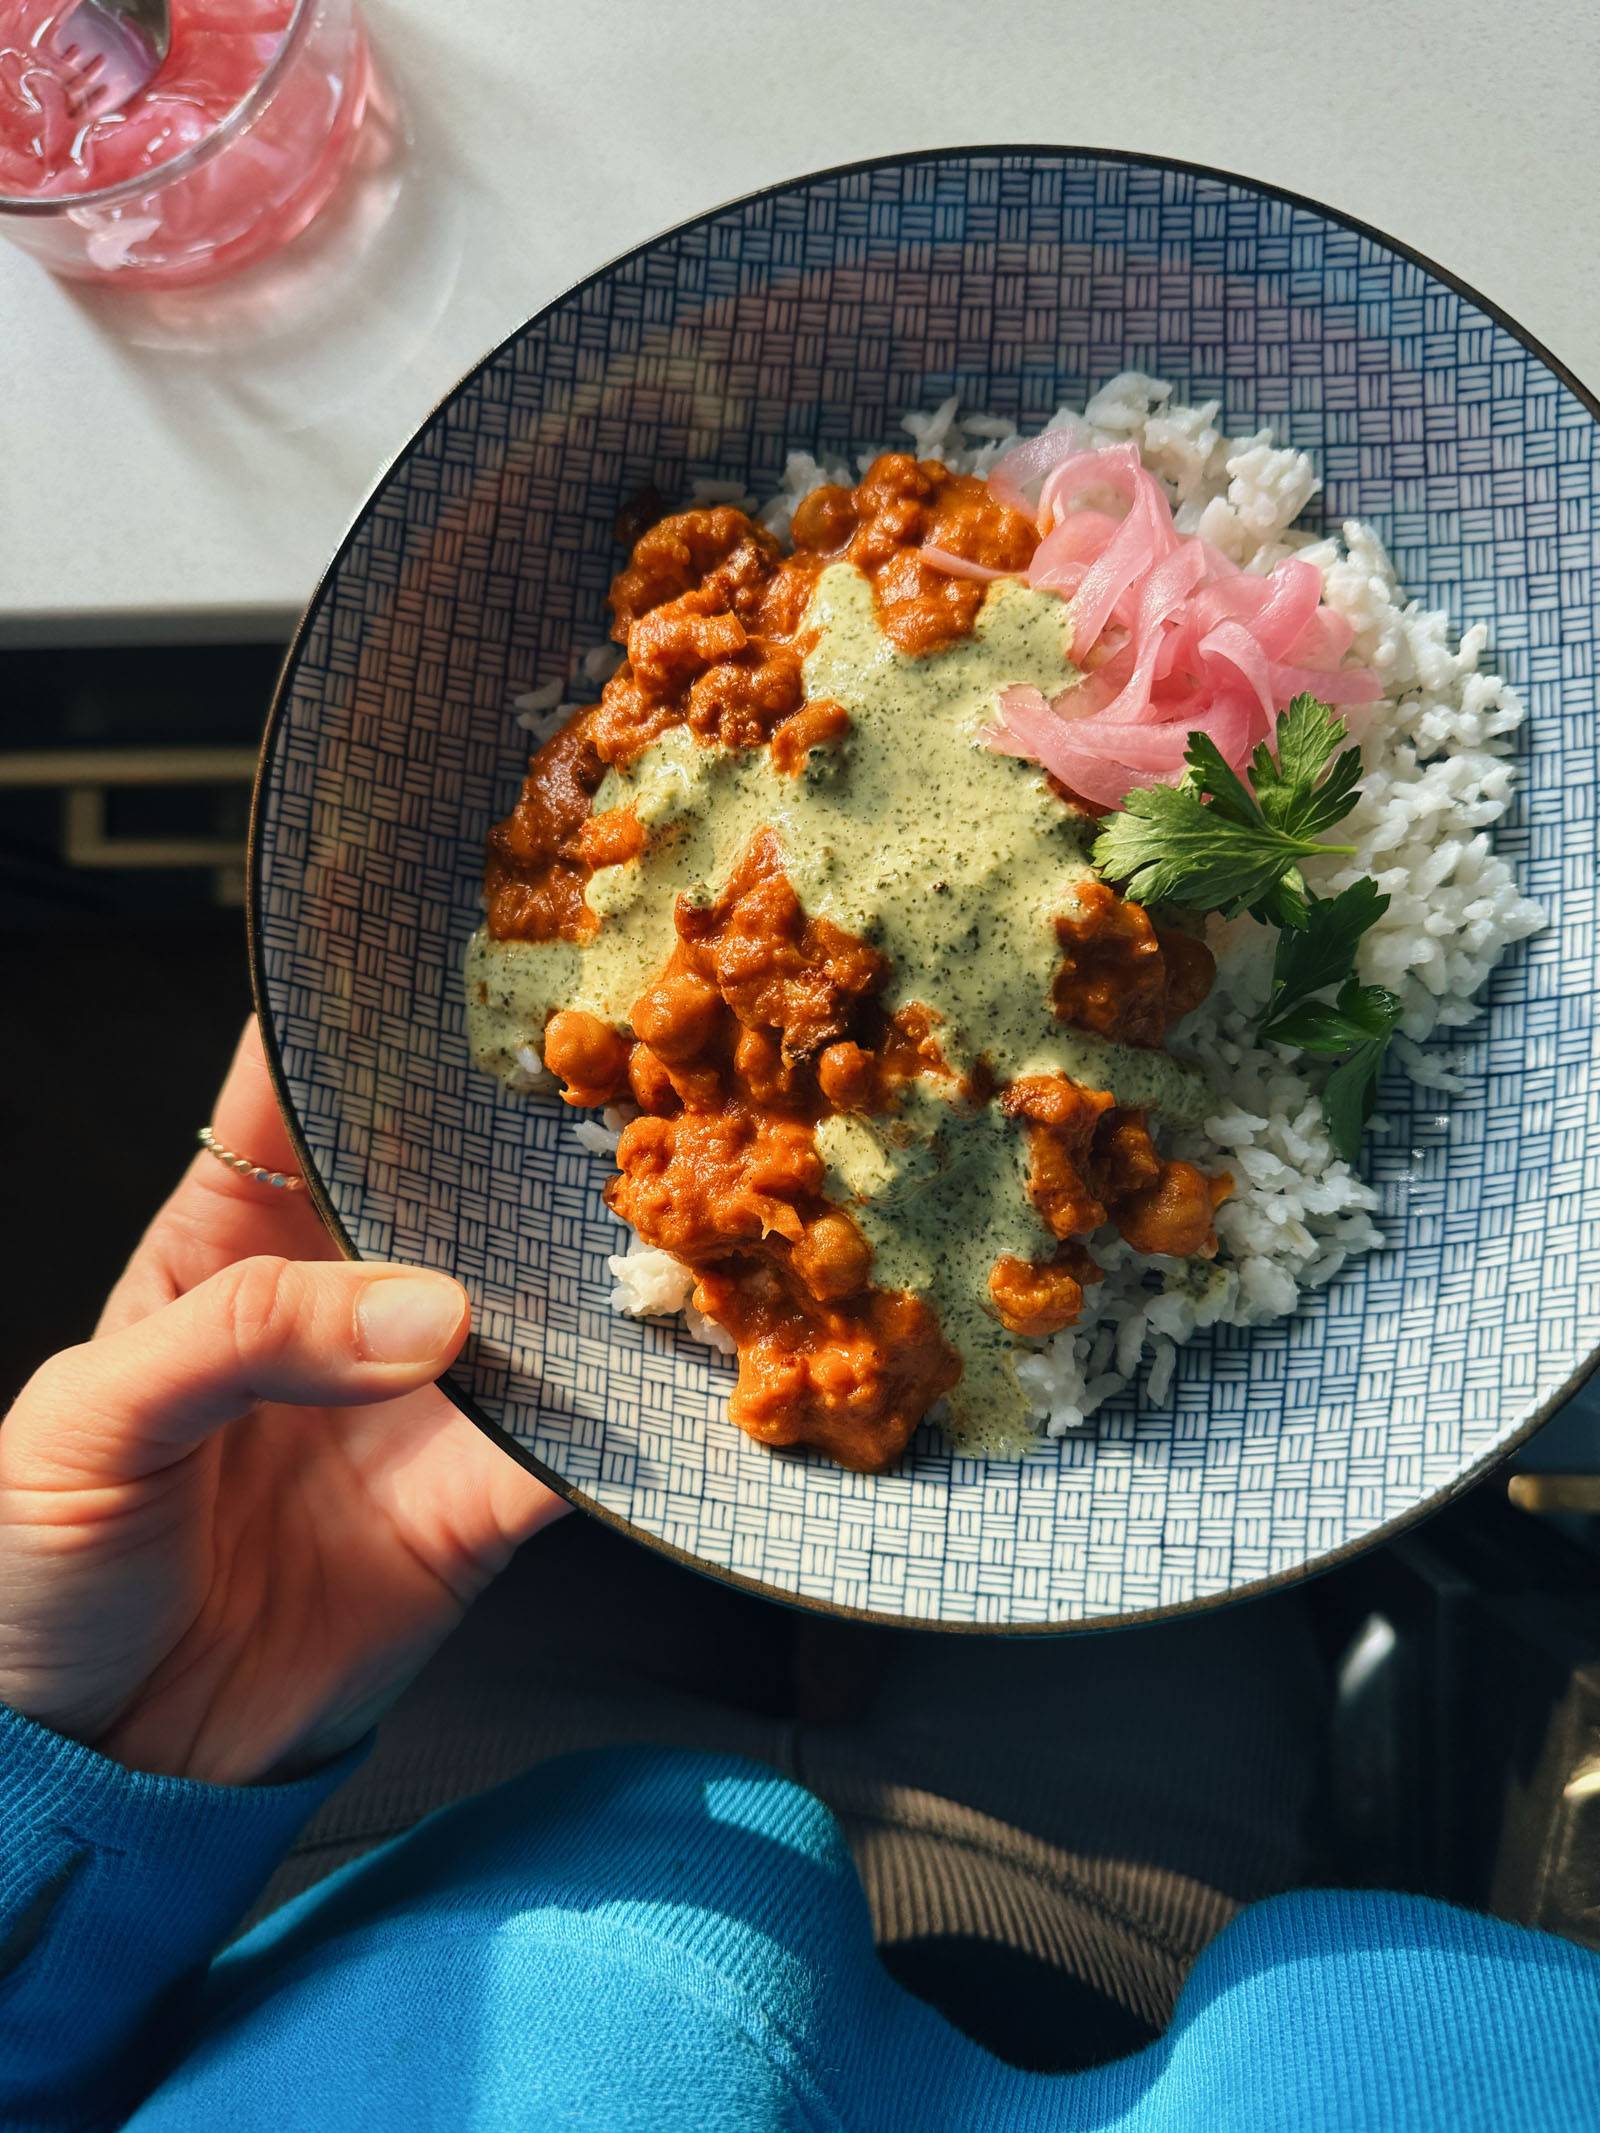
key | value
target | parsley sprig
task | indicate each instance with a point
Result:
(1355, 1026)
(1217, 843)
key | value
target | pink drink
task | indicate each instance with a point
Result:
(226, 154)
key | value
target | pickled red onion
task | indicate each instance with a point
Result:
(1294, 596)
(959, 566)
(1116, 467)
(1101, 760)
(1121, 565)
(1170, 637)
(1343, 685)
(1015, 471)
(1230, 644)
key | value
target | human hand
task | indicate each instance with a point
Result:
(236, 1522)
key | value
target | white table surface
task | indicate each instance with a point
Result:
(183, 470)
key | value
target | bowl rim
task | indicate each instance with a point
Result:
(1255, 1588)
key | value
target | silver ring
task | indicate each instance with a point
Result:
(284, 1180)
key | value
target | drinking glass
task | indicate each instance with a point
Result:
(244, 190)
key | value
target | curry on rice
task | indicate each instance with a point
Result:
(894, 1049)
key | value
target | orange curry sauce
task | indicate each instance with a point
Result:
(765, 1019)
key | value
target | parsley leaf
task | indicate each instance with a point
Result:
(1322, 952)
(1215, 844)
(1168, 846)
(1284, 904)
(1314, 1026)
(1308, 733)
(1308, 814)
(1351, 1090)
(1359, 1024)
(1292, 793)
(1210, 772)
(1355, 1018)
(1372, 1008)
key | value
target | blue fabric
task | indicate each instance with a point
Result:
(665, 1942)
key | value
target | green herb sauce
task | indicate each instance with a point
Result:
(954, 862)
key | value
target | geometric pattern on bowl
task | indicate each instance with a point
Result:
(814, 315)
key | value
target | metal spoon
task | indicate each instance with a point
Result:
(111, 48)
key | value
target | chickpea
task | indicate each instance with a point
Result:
(609, 839)
(651, 1083)
(824, 520)
(758, 1063)
(1058, 1188)
(1034, 1300)
(833, 1259)
(678, 1016)
(587, 1054)
(783, 1161)
(1174, 1215)
(697, 1088)
(847, 1076)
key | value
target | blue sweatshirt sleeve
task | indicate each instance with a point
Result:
(116, 1888)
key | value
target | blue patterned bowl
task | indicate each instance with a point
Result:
(813, 315)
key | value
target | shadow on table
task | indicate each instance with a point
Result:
(323, 324)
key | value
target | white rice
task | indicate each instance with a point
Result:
(538, 710)
(1437, 775)
(649, 1283)
(530, 1074)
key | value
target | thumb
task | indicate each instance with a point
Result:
(309, 1333)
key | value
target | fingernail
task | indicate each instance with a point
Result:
(407, 1318)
